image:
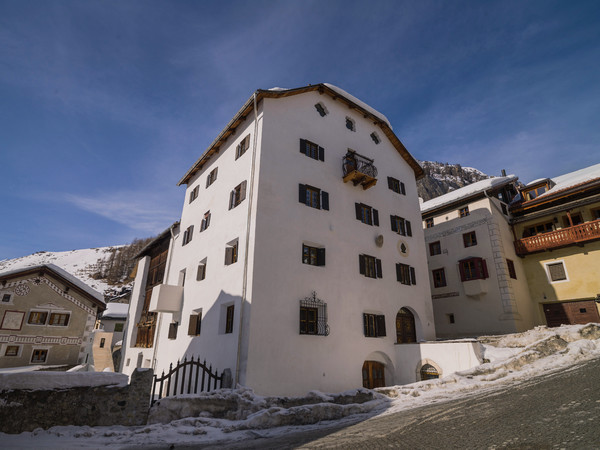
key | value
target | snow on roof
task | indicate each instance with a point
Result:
(539, 180)
(63, 273)
(466, 191)
(572, 179)
(116, 310)
(359, 103)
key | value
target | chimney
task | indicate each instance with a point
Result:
(503, 172)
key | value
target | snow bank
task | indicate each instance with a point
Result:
(60, 380)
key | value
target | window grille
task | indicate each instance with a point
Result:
(313, 316)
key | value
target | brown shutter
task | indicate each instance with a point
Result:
(358, 211)
(303, 146)
(394, 223)
(380, 324)
(375, 217)
(231, 195)
(366, 324)
(321, 153)
(398, 272)
(484, 268)
(402, 189)
(413, 277)
(172, 331)
(361, 264)
(408, 228)
(390, 183)
(320, 257)
(193, 324)
(243, 191)
(378, 264)
(228, 255)
(325, 200)
(461, 269)
(302, 193)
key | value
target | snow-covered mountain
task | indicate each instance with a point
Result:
(441, 178)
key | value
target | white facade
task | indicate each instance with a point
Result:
(263, 346)
(496, 302)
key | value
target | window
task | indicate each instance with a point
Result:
(201, 273)
(321, 109)
(231, 253)
(369, 266)
(556, 271)
(405, 274)
(313, 316)
(350, 124)
(538, 229)
(396, 186)
(472, 269)
(470, 239)
(366, 214)
(173, 330)
(242, 147)
(102, 342)
(212, 177)
(504, 209)
(429, 222)
(374, 325)
(188, 234)
(194, 194)
(401, 226)
(195, 324)
(534, 193)
(313, 256)
(406, 332)
(205, 221)
(37, 317)
(439, 278)
(435, 248)
(375, 138)
(238, 195)
(12, 350)
(596, 214)
(6, 298)
(463, 212)
(119, 327)
(575, 218)
(511, 269)
(312, 150)
(313, 197)
(229, 319)
(428, 372)
(450, 318)
(59, 319)
(39, 355)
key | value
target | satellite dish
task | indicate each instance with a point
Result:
(379, 241)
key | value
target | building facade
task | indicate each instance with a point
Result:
(297, 263)
(478, 283)
(46, 316)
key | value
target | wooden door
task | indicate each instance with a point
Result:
(373, 373)
(570, 313)
(405, 327)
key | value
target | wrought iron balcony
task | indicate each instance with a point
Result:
(577, 234)
(359, 169)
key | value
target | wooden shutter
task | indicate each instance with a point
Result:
(303, 146)
(402, 189)
(461, 269)
(484, 268)
(413, 277)
(228, 255)
(402, 227)
(394, 223)
(231, 196)
(325, 200)
(193, 325)
(398, 272)
(408, 228)
(366, 324)
(361, 264)
(172, 331)
(238, 150)
(184, 241)
(390, 183)
(320, 257)
(243, 191)
(358, 211)
(302, 193)
(375, 217)
(321, 153)
(214, 178)
(200, 272)
(380, 324)
(378, 265)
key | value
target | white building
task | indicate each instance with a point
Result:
(295, 264)
(478, 283)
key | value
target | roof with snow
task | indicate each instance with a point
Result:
(465, 192)
(323, 88)
(60, 273)
(115, 311)
(570, 180)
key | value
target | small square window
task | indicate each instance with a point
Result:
(374, 325)
(242, 147)
(59, 319)
(312, 150)
(194, 194)
(557, 272)
(231, 253)
(375, 138)
(406, 274)
(450, 318)
(396, 186)
(470, 239)
(188, 234)
(6, 298)
(463, 212)
(313, 255)
(439, 278)
(369, 266)
(366, 214)
(350, 124)
(429, 222)
(12, 350)
(39, 356)
(205, 221)
(435, 248)
(37, 317)
(238, 195)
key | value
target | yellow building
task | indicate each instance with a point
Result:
(556, 223)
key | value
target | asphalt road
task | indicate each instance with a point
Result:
(557, 410)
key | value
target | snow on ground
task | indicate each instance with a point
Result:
(512, 358)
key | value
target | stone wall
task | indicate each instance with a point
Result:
(25, 410)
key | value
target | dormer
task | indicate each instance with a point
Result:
(536, 188)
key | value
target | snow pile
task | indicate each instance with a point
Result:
(60, 380)
(116, 310)
(512, 358)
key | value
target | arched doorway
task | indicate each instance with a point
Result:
(373, 373)
(428, 372)
(405, 327)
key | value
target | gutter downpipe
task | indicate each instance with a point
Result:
(247, 246)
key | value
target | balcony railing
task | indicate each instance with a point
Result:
(360, 170)
(584, 232)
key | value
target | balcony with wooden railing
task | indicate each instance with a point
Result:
(359, 169)
(577, 234)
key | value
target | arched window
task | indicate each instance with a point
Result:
(405, 327)
(428, 372)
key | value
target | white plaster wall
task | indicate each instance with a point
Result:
(448, 356)
(281, 361)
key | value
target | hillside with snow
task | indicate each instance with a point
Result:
(441, 178)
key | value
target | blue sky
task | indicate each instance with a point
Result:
(105, 104)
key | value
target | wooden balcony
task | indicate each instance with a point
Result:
(577, 234)
(360, 170)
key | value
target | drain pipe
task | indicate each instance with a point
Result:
(247, 246)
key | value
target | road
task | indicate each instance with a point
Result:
(557, 410)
